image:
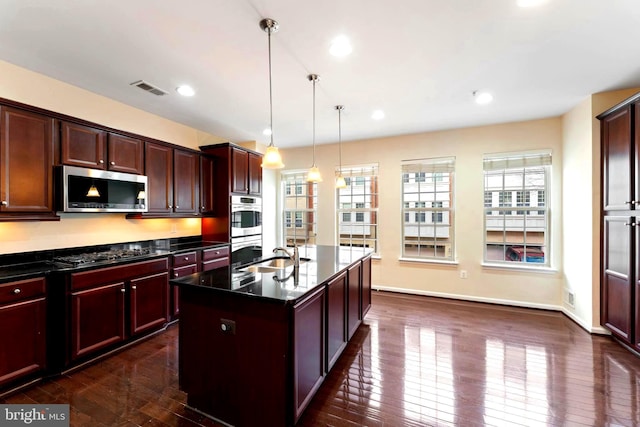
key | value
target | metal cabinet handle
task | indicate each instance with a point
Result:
(123, 290)
(112, 163)
(16, 291)
(170, 206)
(133, 287)
(177, 207)
(101, 161)
(632, 202)
(632, 224)
(186, 258)
(4, 203)
(175, 274)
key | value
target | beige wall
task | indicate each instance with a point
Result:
(24, 86)
(468, 145)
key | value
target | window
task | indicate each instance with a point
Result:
(357, 223)
(300, 206)
(523, 237)
(430, 202)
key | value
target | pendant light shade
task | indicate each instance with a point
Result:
(271, 158)
(340, 181)
(93, 191)
(314, 174)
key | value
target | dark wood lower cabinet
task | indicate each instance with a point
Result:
(22, 330)
(354, 313)
(111, 305)
(336, 318)
(309, 345)
(97, 318)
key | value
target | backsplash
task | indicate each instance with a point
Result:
(90, 229)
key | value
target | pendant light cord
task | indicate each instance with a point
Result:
(314, 120)
(339, 107)
(270, 91)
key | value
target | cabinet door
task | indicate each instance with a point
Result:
(336, 318)
(159, 170)
(125, 154)
(366, 286)
(186, 181)
(148, 307)
(207, 187)
(617, 161)
(309, 351)
(353, 299)
(239, 174)
(83, 146)
(97, 318)
(26, 162)
(617, 283)
(22, 330)
(255, 174)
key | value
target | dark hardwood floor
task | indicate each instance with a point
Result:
(416, 361)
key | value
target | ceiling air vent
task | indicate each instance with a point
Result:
(149, 88)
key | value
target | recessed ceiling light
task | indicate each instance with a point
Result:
(266, 132)
(482, 98)
(185, 90)
(531, 3)
(340, 46)
(377, 115)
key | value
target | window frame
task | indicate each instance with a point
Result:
(520, 208)
(428, 194)
(360, 200)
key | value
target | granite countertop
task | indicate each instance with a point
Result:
(35, 264)
(286, 285)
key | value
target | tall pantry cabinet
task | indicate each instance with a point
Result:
(620, 226)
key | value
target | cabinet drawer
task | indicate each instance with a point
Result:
(209, 254)
(120, 273)
(16, 291)
(184, 271)
(186, 258)
(216, 263)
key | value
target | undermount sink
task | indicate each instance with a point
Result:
(273, 264)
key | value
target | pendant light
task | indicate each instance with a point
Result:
(271, 158)
(93, 191)
(314, 174)
(340, 182)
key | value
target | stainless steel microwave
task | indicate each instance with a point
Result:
(246, 216)
(93, 190)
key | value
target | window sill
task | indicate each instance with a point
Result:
(527, 268)
(427, 261)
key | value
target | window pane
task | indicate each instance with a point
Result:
(518, 235)
(358, 207)
(428, 209)
(300, 205)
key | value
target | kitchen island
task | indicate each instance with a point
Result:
(255, 346)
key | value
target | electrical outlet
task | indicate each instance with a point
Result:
(463, 274)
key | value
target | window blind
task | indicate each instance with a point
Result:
(436, 165)
(501, 162)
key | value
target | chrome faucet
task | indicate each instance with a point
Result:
(295, 257)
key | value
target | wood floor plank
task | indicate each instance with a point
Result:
(415, 361)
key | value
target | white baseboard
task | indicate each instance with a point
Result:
(563, 310)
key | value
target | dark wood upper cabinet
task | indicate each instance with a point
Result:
(26, 165)
(240, 171)
(618, 161)
(186, 182)
(125, 154)
(207, 186)
(159, 170)
(90, 147)
(83, 146)
(255, 174)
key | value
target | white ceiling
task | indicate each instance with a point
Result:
(418, 60)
